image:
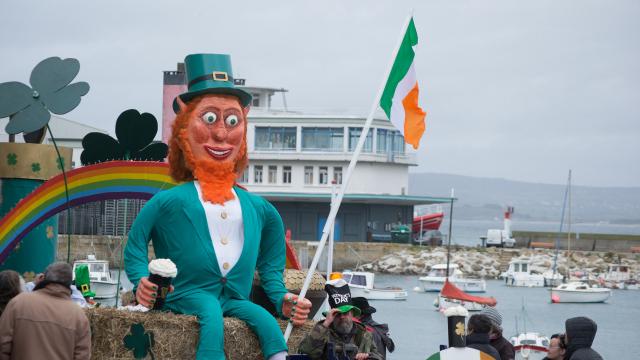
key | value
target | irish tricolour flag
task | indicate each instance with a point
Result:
(460, 354)
(400, 96)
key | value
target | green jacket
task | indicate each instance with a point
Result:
(315, 343)
(175, 221)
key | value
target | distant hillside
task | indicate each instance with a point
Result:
(486, 198)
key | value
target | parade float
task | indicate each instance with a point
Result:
(37, 184)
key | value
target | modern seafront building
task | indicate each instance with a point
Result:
(294, 158)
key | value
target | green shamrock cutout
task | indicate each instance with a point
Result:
(35, 167)
(12, 159)
(135, 133)
(139, 341)
(29, 108)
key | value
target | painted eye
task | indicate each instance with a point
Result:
(232, 120)
(209, 117)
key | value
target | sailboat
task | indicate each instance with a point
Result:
(529, 345)
(576, 291)
(450, 295)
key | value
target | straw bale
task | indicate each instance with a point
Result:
(176, 336)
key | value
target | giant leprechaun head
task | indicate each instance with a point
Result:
(208, 141)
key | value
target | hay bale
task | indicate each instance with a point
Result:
(176, 336)
(294, 279)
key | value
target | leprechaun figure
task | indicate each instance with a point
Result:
(216, 233)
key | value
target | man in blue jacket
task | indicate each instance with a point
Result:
(215, 232)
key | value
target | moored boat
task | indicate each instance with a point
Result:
(434, 281)
(100, 277)
(579, 292)
(519, 274)
(530, 346)
(450, 296)
(361, 284)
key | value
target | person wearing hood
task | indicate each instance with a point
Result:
(379, 331)
(478, 328)
(580, 332)
(504, 347)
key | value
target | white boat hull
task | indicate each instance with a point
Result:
(594, 295)
(104, 289)
(525, 281)
(443, 303)
(467, 285)
(526, 353)
(378, 294)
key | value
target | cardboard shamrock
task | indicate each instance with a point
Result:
(29, 108)
(135, 133)
(139, 341)
(83, 282)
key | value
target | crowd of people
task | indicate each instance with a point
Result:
(44, 312)
(484, 333)
(44, 323)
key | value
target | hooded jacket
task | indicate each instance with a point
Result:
(580, 333)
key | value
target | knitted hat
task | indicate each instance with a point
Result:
(493, 315)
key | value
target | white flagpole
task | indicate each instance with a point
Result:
(352, 164)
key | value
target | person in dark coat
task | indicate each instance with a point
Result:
(379, 331)
(478, 328)
(580, 332)
(504, 347)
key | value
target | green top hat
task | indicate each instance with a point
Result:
(210, 74)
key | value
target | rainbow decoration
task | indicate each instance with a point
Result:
(103, 181)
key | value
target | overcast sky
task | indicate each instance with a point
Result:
(522, 90)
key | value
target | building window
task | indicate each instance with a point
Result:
(337, 174)
(322, 139)
(308, 175)
(273, 174)
(323, 175)
(257, 174)
(354, 136)
(286, 174)
(244, 178)
(275, 138)
(382, 141)
(255, 102)
(390, 141)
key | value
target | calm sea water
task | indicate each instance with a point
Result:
(417, 329)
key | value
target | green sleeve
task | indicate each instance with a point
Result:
(136, 253)
(272, 257)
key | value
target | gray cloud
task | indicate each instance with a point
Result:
(522, 90)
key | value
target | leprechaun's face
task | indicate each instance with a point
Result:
(216, 129)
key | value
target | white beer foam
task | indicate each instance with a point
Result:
(163, 267)
(456, 311)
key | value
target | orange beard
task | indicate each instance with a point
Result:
(216, 178)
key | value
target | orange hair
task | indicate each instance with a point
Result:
(179, 168)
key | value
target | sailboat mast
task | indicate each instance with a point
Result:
(449, 237)
(569, 229)
(564, 206)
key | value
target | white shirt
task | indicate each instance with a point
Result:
(225, 228)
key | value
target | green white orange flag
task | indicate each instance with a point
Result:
(400, 96)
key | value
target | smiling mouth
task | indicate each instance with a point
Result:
(217, 153)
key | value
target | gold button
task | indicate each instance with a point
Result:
(225, 266)
(223, 215)
(224, 241)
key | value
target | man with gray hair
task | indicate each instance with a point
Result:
(504, 347)
(46, 324)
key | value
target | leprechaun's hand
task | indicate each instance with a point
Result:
(147, 292)
(295, 308)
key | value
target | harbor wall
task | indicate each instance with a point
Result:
(581, 242)
(348, 255)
